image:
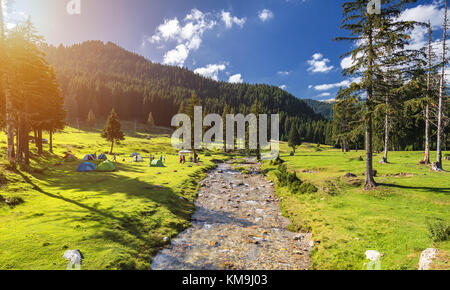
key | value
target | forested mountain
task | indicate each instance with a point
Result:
(323, 108)
(98, 77)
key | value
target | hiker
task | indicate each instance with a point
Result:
(181, 159)
(184, 159)
(164, 159)
(160, 158)
(114, 157)
(151, 158)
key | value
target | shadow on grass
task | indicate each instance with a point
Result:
(137, 229)
(444, 190)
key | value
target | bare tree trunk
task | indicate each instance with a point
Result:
(112, 147)
(369, 182)
(39, 141)
(427, 107)
(5, 85)
(438, 165)
(386, 133)
(51, 141)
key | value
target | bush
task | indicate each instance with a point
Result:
(207, 154)
(11, 201)
(277, 161)
(290, 180)
(438, 230)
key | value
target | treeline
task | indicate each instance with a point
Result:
(401, 97)
(30, 97)
(99, 77)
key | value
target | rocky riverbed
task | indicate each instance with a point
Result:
(237, 225)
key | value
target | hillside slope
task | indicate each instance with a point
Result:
(99, 76)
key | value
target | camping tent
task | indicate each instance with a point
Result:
(138, 158)
(69, 158)
(185, 152)
(106, 166)
(102, 157)
(134, 154)
(157, 163)
(86, 166)
(89, 157)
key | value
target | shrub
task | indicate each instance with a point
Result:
(290, 180)
(438, 230)
(207, 154)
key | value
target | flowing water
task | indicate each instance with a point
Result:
(237, 225)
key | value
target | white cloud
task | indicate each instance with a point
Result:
(319, 64)
(177, 56)
(230, 20)
(344, 83)
(265, 15)
(211, 71)
(423, 13)
(322, 95)
(187, 35)
(284, 73)
(236, 79)
(283, 87)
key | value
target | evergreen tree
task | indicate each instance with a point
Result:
(91, 119)
(150, 121)
(113, 130)
(294, 138)
(374, 35)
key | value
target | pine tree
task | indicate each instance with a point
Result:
(189, 110)
(113, 130)
(256, 109)
(91, 119)
(150, 121)
(375, 35)
(437, 166)
(294, 138)
(5, 86)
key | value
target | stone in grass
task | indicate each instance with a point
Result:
(349, 175)
(426, 258)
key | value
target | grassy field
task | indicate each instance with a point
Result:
(346, 221)
(118, 220)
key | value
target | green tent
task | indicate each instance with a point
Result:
(157, 163)
(106, 166)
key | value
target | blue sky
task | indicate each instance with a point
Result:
(286, 43)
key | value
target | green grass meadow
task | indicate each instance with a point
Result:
(346, 221)
(117, 219)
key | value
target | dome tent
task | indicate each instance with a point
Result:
(138, 158)
(89, 157)
(135, 154)
(157, 163)
(70, 158)
(102, 157)
(106, 166)
(86, 166)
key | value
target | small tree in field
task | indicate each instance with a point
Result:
(294, 138)
(150, 121)
(113, 130)
(91, 119)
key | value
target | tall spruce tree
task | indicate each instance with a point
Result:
(113, 130)
(440, 130)
(294, 138)
(373, 34)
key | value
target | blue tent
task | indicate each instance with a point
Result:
(134, 154)
(86, 166)
(89, 157)
(102, 157)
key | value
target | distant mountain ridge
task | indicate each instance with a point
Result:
(97, 76)
(321, 107)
